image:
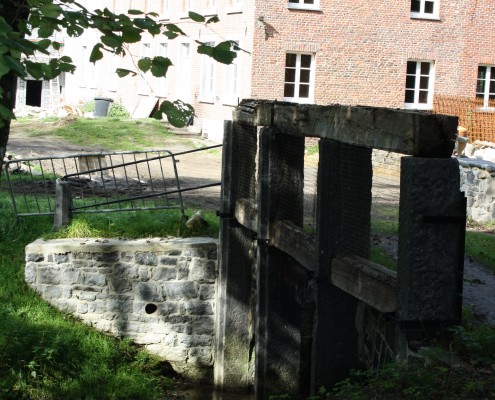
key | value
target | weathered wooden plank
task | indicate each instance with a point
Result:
(293, 241)
(369, 282)
(246, 214)
(416, 133)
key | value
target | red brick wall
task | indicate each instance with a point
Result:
(362, 47)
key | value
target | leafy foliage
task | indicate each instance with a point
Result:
(117, 31)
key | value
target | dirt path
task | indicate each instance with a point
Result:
(194, 169)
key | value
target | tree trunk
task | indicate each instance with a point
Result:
(12, 11)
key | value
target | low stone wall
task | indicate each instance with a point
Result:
(478, 184)
(159, 293)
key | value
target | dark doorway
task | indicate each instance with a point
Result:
(33, 93)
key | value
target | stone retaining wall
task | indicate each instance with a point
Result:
(159, 293)
(478, 184)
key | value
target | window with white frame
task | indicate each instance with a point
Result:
(185, 8)
(211, 7)
(299, 78)
(428, 9)
(485, 86)
(231, 82)
(183, 88)
(304, 4)
(419, 84)
(207, 92)
(164, 10)
(161, 82)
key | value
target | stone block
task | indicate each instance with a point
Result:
(164, 274)
(48, 276)
(70, 276)
(203, 325)
(183, 269)
(125, 270)
(196, 340)
(207, 291)
(58, 258)
(144, 274)
(201, 356)
(30, 273)
(91, 279)
(34, 257)
(106, 257)
(197, 307)
(180, 290)
(147, 292)
(51, 292)
(119, 285)
(203, 270)
(168, 261)
(146, 258)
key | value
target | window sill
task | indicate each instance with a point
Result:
(421, 107)
(184, 14)
(427, 17)
(490, 110)
(303, 7)
(206, 100)
(164, 17)
(231, 102)
(298, 101)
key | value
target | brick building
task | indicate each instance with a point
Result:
(391, 53)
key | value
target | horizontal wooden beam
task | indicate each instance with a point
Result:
(416, 133)
(371, 283)
(293, 241)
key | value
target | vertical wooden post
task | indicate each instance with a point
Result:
(63, 203)
(234, 324)
(279, 315)
(432, 220)
(340, 191)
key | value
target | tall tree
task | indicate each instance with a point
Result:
(22, 19)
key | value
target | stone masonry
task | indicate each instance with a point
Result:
(478, 184)
(159, 293)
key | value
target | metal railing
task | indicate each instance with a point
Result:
(100, 182)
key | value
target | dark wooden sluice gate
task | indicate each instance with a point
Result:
(295, 309)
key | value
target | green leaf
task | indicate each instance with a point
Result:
(160, 65)
(4, 27)
(170, 35)
(174, 28)
(121, 72)
(205, 49)
(14, 65)
(46, 29)
(131, 35)
(44, 44)
(51, 10)
(34, 69)
(196, 17)
(135, 12)
(223, 52)
(144, 64)
(4, 70)
(213, 20)
(96, 53)
(178, 112)
(112, 40)
(56, 45)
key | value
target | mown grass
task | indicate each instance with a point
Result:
(106, 133)
(48, 355)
